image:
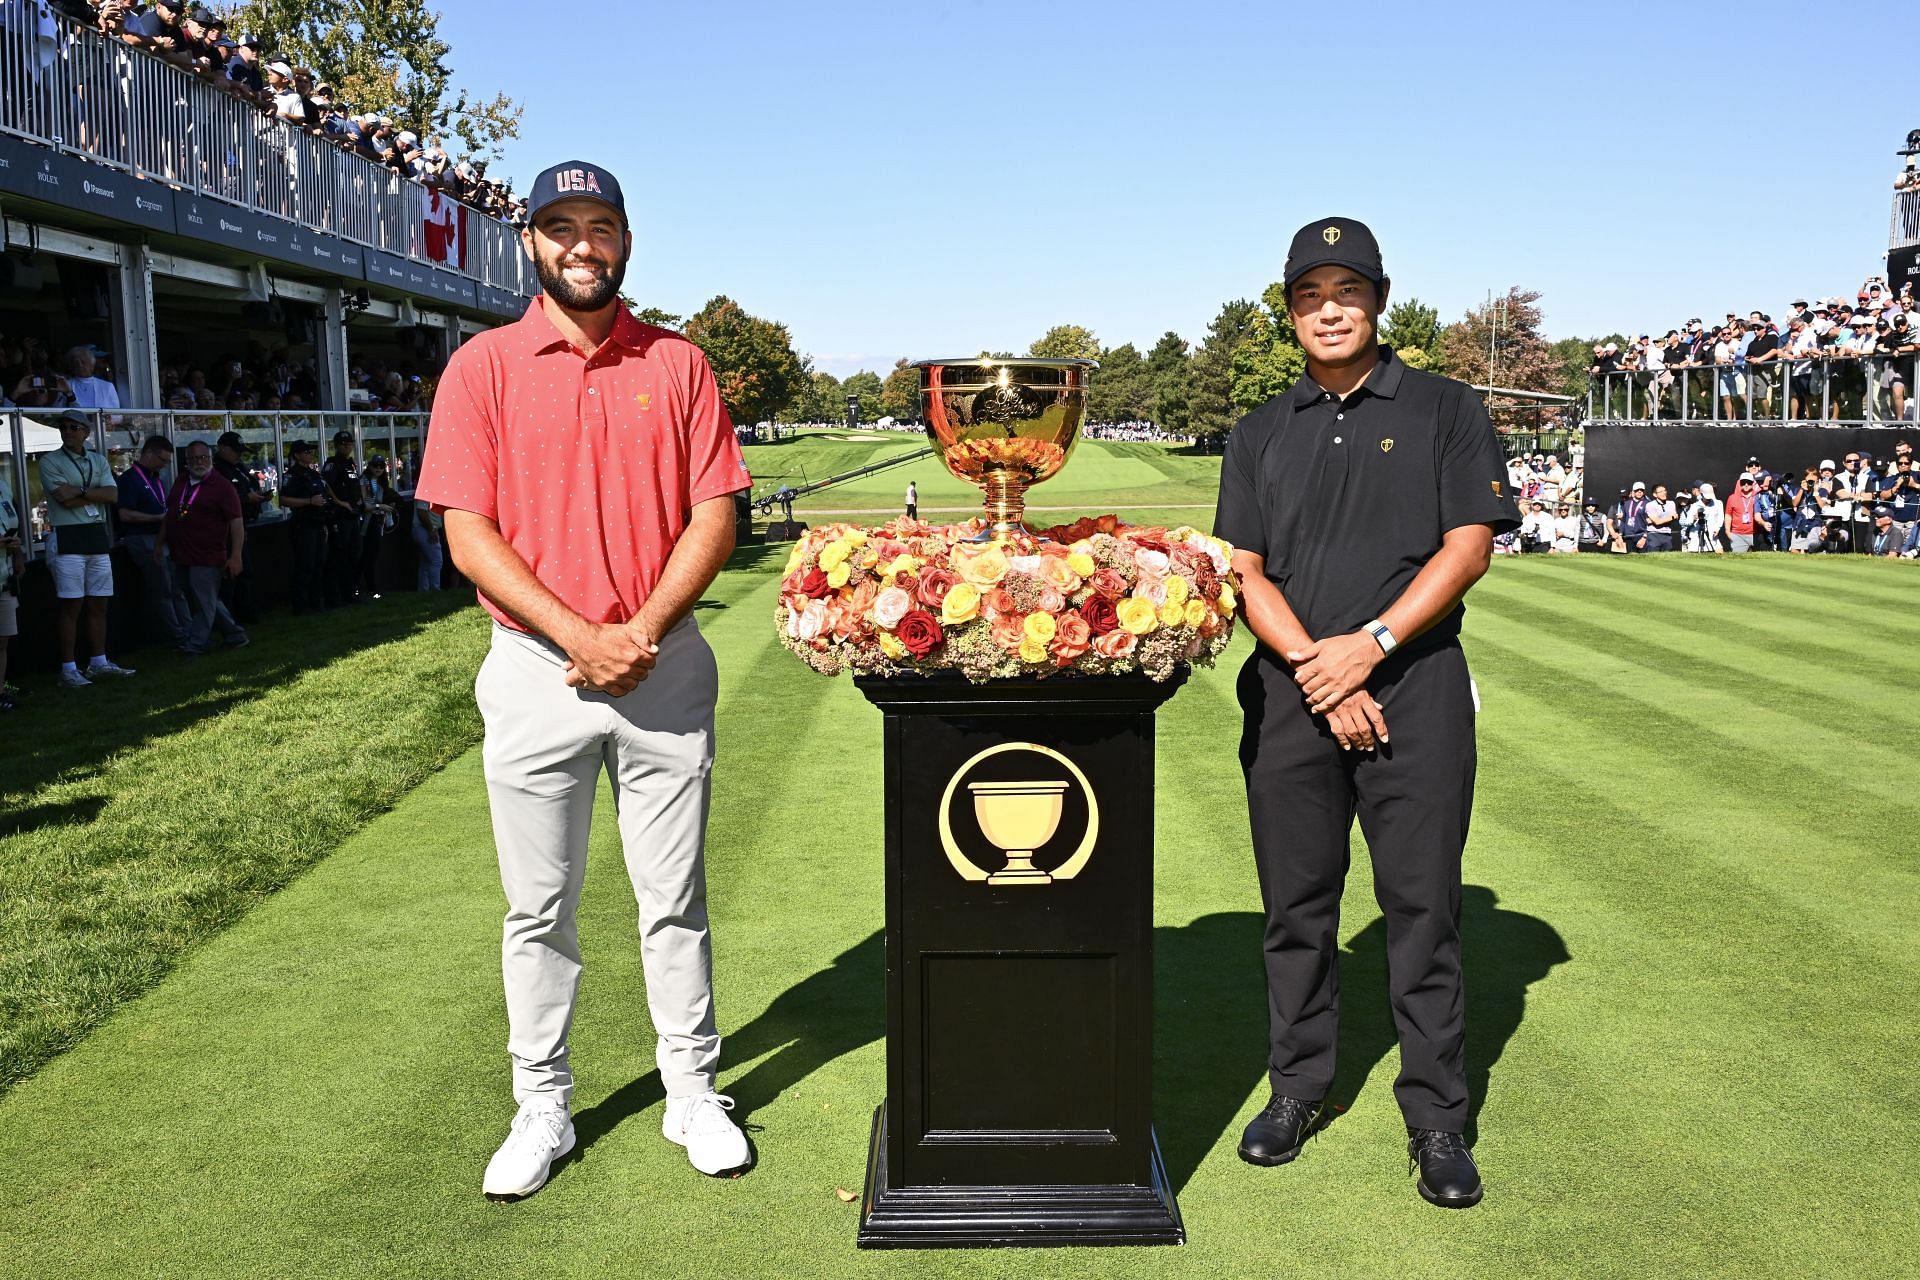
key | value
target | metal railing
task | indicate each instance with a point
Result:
(1832, 390)
(26, 435)
(75, 90)
(1905, 229)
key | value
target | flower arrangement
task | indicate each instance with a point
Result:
(1096, 597)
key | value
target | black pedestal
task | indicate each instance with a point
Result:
(1019, 1106)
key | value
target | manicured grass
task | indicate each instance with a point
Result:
(1690, 971)
(139, 816)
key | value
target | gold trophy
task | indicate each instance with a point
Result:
(1018, 817)
(1004, 424)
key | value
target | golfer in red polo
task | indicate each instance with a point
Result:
(585, 466)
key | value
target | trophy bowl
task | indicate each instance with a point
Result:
(1004, 424)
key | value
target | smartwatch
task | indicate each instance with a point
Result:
(1383, 637)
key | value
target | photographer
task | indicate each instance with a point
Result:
(1596, 534)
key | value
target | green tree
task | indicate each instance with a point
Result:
(867, 385)
(900, 393)
(817, 400)
(1066, 342)
(381, 54)
(753, 360)
(1268, 359)
(1572, 358)
(1213, 408)
(651, 315)
(1120, 391)
(1412, 329)
(1170, 383)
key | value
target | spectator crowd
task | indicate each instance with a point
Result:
(186, 539)
(1822, 355)
(1863, 506)
(197, 40)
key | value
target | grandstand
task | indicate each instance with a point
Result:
(225, 270)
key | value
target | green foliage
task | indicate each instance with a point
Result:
(872, 392)
(900, 393)
(1412, 329)
(1267, 359)
(1121, 391)
(1170, 383)
(817, 400)
(381, 54)
(753, 360)
(1214, 409)
(1066, 342)
(1499, 344)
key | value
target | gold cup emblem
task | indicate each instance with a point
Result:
(1019, 817)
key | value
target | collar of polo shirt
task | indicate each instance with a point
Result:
(627, 331)
(1384, 381)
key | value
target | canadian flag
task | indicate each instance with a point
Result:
(443, 226)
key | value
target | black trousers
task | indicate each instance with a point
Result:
(1413, 797)
(370, 557)
(343, 561)
(309, 564)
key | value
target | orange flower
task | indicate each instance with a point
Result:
(1009, 629)
(1058, 574)
(1117, 643)
(1071, 636)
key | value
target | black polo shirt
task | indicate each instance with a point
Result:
(1347, 499)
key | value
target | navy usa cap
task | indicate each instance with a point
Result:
(1342, 242)
(575, 180)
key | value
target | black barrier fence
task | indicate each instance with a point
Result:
(1677, 455)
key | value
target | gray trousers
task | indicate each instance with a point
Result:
(159, 579)
(205, 610)
(546, 746)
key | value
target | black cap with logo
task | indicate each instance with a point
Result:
(1342, 242)
(575, 180)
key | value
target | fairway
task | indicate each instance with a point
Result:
(1689, 949)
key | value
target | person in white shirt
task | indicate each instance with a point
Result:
(913, 501)
(1566, 530)
(1703, 522)
(1536, 528)
(1725, 348)
(89, 392)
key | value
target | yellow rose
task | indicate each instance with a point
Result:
(1196, 613)
(794, 557)
(855, 537)
(1137, 615)
(962, 604)
(902, 564)
(1032, 650)
(1172, 615)
(1040, 626)
(834, 554)
(985, 568)
(837, 576)
(1226, 601)
(1080, 562)
(891, 646)
(1176, 589)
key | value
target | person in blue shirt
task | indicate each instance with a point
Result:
(1632, 522)
(1766, 517)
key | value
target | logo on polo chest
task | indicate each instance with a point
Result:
(1386, 446)
(644, 400)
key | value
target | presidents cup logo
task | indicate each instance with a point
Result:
(1033, 813)
(1331, 235)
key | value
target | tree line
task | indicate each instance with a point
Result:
(1249, 354)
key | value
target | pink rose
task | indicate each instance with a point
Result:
(1051, 601)
(934, 585)
(890, 606)
(813, 620)
(1110, 583)
(1071, 637)
(1154, 589)
(1150, 562)
(1117, 643)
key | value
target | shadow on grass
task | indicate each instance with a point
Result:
(1503, 953)
(63, 731)
(80, 809)
(757, 555)
(1211, 1039)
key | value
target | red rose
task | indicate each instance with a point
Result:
(1100, 615)
(920, 632)
(934, 585)
(814, 584)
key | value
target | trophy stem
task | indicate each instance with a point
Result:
(1006, 500)
(1020, 870)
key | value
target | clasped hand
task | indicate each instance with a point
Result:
(611, 658)
(1332, 675)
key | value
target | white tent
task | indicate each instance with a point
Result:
(40, 438)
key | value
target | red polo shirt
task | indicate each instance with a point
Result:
(200, 514)
(590, 465)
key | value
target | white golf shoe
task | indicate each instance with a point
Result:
(700, 1123)
(542, 1132)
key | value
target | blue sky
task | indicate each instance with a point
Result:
(938, 178)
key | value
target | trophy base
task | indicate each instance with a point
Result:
(1027, 876)
(1042, 1216)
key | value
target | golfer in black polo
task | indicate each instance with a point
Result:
(1363, 503)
